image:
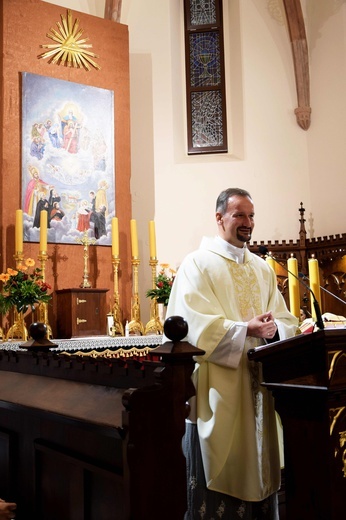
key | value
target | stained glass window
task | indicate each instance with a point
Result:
(202, 12)
(205, 83)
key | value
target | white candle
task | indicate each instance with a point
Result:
(293, 285)
(314, 280)
(134, 238)
(43, 230)
(115, 237)
(270, 261)
(152, 239)
(19, 231)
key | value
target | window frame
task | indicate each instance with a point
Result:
(189, 29)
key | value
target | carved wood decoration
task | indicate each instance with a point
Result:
(330, 252)
(296, 28)
(113, 10)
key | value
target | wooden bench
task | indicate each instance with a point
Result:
(99, 439)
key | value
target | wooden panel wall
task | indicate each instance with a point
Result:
(24, 25)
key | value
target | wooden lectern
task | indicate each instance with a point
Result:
(307, 375)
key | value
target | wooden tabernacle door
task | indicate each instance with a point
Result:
(307, 375)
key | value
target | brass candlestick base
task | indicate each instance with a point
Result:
(18, 330)
(117, 329)
(154, 325)
(135, 325)
(43, 307)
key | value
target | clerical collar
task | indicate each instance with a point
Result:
(237, 253)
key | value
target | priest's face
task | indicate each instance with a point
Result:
(236, 224)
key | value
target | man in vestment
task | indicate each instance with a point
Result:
(230, 300)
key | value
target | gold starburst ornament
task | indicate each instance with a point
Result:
(70, 49)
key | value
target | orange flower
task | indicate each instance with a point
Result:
(4, 277)
(12, 272)
(30, 262)
(21, 267)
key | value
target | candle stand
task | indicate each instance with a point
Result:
(18, 330)
(43, 307)
(135, 325)
(117, 329)
(86, 242)
(154, 325)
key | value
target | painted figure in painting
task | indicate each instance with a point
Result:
(33, 191)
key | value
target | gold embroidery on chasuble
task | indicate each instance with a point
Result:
(248, 295)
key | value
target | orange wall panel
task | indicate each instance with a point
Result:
(25, 24)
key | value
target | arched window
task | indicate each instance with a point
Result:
(205, 77)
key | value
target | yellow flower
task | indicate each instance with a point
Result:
(30, 262)
(12, 272)
(22, 267)
(4, 277)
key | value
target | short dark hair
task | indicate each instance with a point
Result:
(222, 200)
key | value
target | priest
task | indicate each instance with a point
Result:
(230, 300)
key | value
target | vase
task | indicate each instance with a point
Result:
(161, 310)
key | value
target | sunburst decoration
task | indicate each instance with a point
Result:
(69, 49)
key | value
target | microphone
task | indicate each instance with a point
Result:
(304, 277)
(319, 321)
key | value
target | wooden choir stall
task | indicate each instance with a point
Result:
(95, 438)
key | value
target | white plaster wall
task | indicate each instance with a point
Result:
(327, 136)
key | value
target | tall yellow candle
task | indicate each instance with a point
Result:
(19, 231)
(293, 286)
(152, 239)
(270, 261)
(314, 280)
(134, 238)
(43, 230)
(115, 236)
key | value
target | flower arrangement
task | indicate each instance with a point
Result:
(163, 284)
(21, 289)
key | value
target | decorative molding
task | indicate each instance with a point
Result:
(296, 28)
(113, 10)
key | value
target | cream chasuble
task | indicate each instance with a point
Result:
(235, 416)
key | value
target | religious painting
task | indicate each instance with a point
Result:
(67, 159)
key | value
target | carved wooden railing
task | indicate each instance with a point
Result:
(330, 251)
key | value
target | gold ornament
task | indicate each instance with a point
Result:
(69, 49)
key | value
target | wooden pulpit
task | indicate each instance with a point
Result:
(307, 376)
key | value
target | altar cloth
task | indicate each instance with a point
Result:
(119, 346)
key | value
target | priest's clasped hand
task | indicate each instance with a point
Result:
(262, 326)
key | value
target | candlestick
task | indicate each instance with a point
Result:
(19, 231)
(18, 330)
(154, 325)
(134, 238)
(115, 237)
(293, 285)
(43, 230)
(117, 328)
(135, 326)
(314, 278)
(152, 239)
(43, 307)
